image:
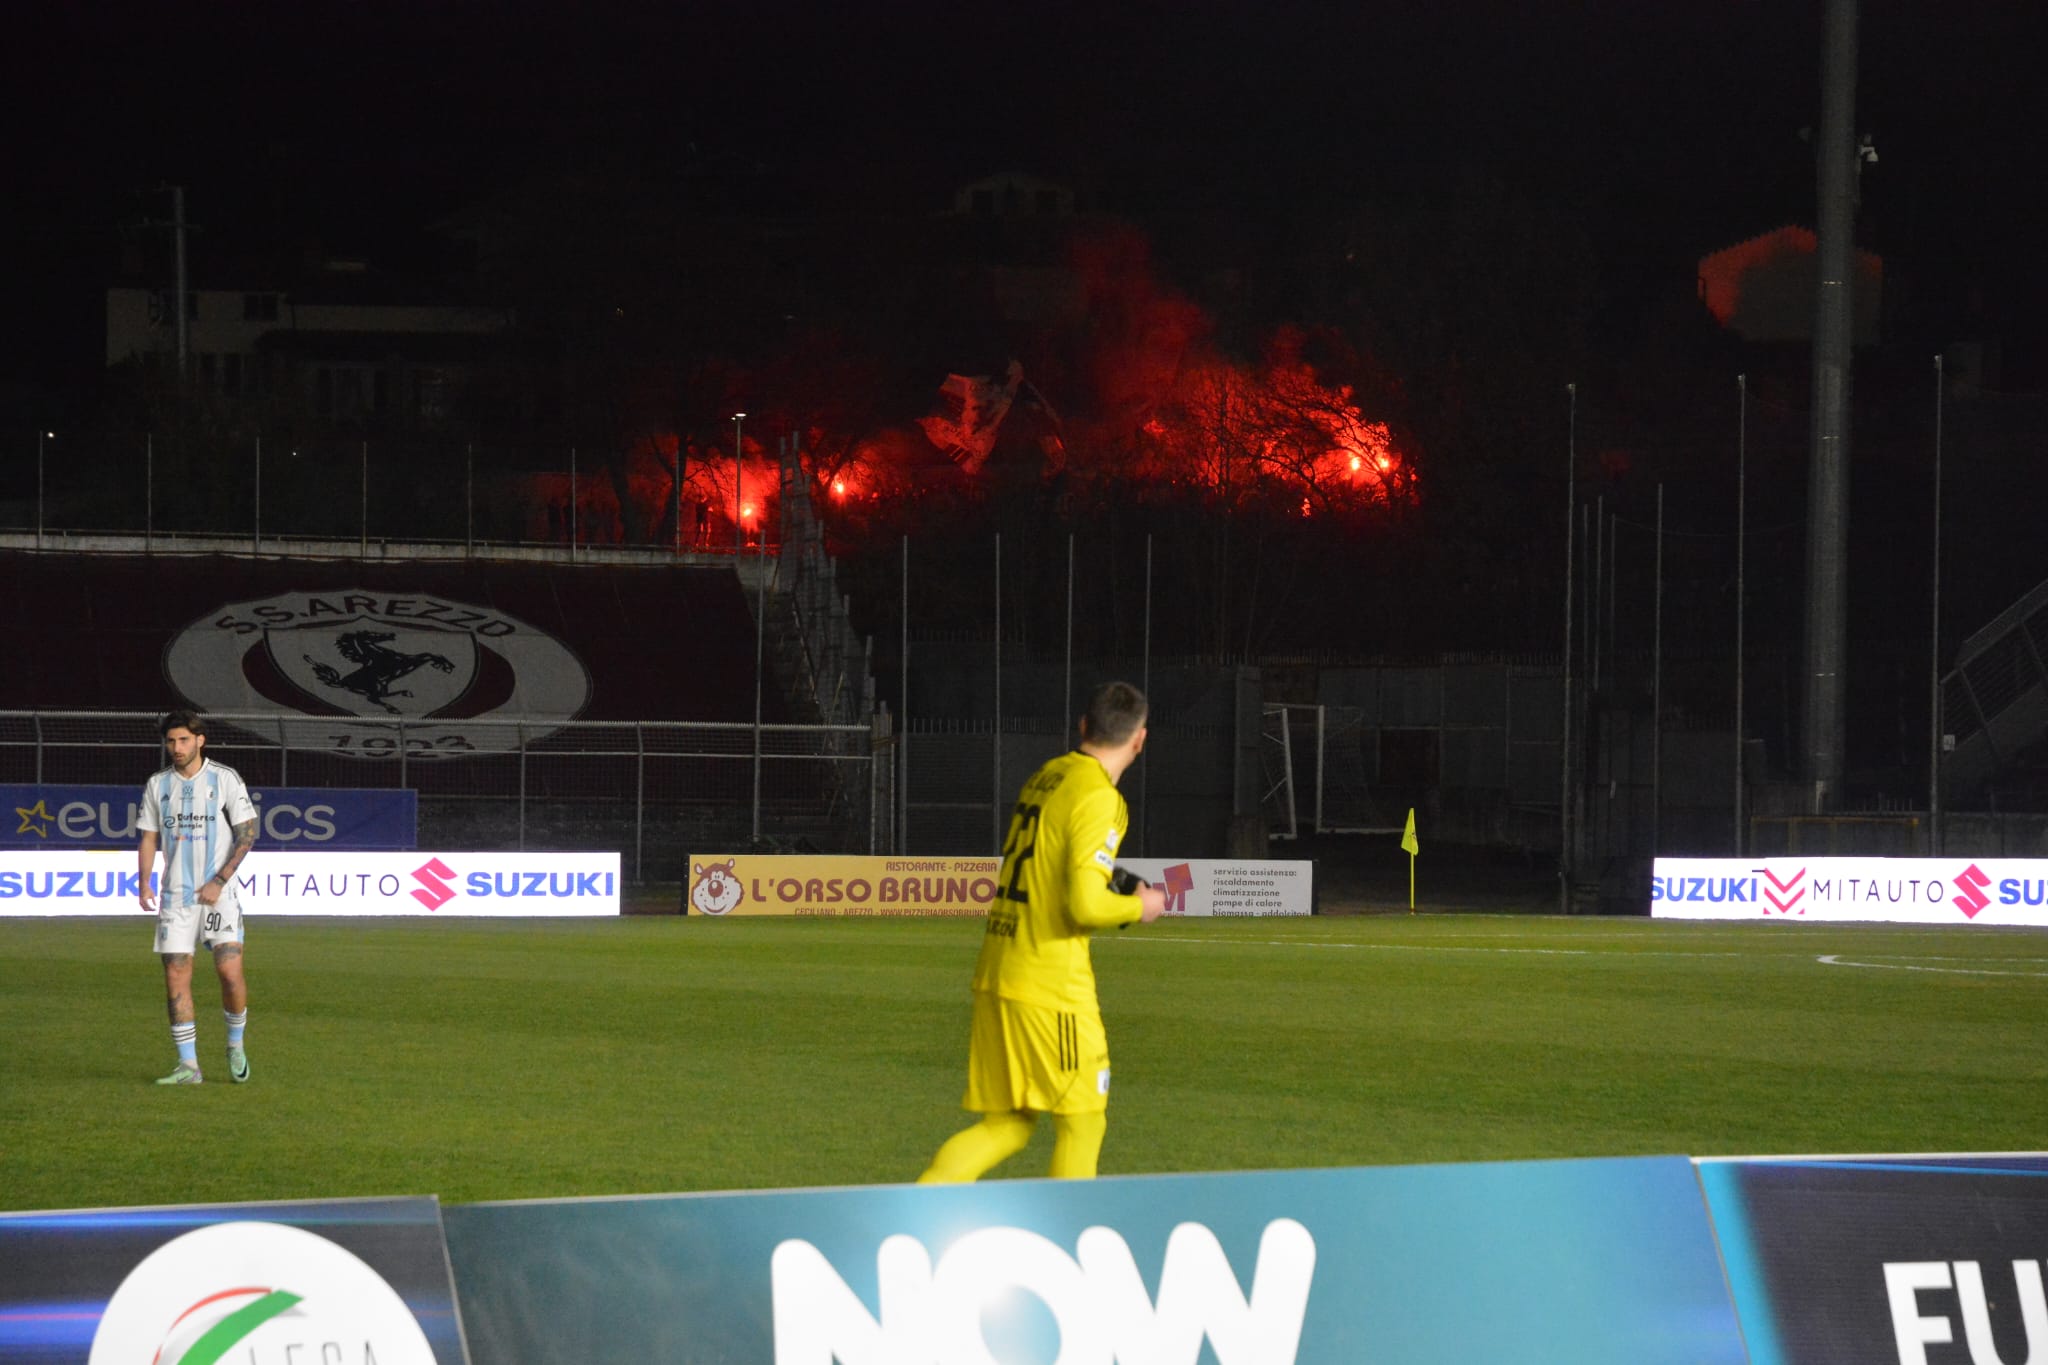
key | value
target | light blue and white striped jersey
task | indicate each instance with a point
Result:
(196, 820)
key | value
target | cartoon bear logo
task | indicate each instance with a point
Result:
(718, 888)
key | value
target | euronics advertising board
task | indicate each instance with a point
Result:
(1575, 1262)
(348, 1280)
(1959, 891)
(805, 884)
(51, 816)
(1914, 1260)
(498, 885)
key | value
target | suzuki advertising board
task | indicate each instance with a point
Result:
(45, 815)
(497, 885)
(1575, 1262)
(352, 1280)
(1957, 891)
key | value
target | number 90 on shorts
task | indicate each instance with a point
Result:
(180, 929)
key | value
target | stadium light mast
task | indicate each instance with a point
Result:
(739, 489)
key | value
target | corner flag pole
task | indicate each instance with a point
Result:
(1408, 842)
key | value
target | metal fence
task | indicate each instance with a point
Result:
(656, 791)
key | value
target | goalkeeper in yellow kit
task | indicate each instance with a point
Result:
(1038, 1046)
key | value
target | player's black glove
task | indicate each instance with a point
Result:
(1124, 882)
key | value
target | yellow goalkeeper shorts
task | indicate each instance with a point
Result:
(1027, 1057)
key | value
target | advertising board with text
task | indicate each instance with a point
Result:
(1606, 1262)
(350, 1280)
(828, 884)
(497, 885)
(1211, 887)
(1871, 1260)
(47, 815)
(1958, 891)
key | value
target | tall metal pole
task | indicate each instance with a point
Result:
(1827, 517)
(366, 500)
(904, 709)
(1741, 600)
(178, 249)
(469, 497)
(677, 482)
(40, 436)
(1067, 706)
(1601, 569)
(739, 491)
(148, 492)
(1564, 802)
(258, 542)
(1935, 718)
(1145, 686)
(997, 800)
(760, 634)
(572, 502)
(1657, 691)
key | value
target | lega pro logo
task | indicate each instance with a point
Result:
(256, 1294)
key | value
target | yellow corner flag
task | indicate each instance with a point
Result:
(1408, 843)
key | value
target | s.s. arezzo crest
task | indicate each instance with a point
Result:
(371, 674)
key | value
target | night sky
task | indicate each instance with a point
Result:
(1674, 127)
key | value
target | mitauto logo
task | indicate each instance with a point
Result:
(435, 878)
(1970, 897)
(256, 1294)
(1097, 1299)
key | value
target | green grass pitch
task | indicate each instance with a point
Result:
(498, 1060)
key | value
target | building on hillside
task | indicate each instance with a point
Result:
(1763, 289)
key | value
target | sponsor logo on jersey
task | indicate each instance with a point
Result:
(421, 665)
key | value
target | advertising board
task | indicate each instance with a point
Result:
(497, 885)
(1958, 891)
(1580, 1262)
(47, 815)
(1209, 887)
(825, 884)
(342, 1280)
(1868, 1260)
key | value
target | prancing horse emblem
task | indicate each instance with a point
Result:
(379, 667)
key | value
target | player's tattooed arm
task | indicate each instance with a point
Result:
(245, 839)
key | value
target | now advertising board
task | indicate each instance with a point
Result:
(496, 885)
(1918, 1260)
(47, 815)
(351, 1280)
(1606, 1262)
(828, 885)
(1958, 891)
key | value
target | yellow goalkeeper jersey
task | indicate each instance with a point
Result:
(1053, 889)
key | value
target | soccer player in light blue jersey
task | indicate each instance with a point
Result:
(199, 812)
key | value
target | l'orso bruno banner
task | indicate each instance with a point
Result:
(825, 885)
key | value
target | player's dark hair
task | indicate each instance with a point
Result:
(189, 720)
(1115, 711)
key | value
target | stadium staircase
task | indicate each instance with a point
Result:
(1995, 702)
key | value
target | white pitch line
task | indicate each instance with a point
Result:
(1835, 960)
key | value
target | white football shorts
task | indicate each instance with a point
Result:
(179, 928)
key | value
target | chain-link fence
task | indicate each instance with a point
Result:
(652, 790)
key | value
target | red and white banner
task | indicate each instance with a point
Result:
(1959, 891)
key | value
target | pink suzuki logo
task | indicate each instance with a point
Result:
(436, 880)
(1787, 893)
(1970, 884)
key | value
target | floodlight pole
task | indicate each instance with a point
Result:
(1935, 717)
(739, 488)
(1564, 805)
(1741, 565)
